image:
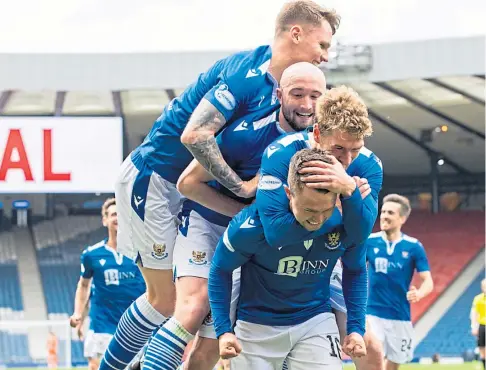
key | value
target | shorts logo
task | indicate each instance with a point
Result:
(198, 258)
(269, 183)
(333, 241)
(224, 96)
(159, 252)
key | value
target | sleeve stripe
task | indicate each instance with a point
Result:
(227, 242)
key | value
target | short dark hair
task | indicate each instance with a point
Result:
(296, 164)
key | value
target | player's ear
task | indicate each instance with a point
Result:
(105, 224)
(296, 34)
(288, 192)
(279, 95)
(316, 133)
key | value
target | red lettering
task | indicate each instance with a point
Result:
(14, 141)
(48, 174)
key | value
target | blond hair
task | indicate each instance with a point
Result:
(342, 109)
(108, 203)
(306, 12)
(403, 202)
(294, 179)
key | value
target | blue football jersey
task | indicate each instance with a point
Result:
(237, 85)
(284, 286)
(242, 145)
(281, 227)
(117, 282)
(391, 268)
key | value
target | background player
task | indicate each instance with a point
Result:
(478, 320)
(393, 257)
(117, 283)
(284, 309)
(242, 145)
(240, 84)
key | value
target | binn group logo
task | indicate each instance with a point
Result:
(60, 154)
(295, 265)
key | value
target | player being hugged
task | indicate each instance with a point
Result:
(116, 281)
(284, 310)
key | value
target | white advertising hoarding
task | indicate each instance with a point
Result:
(60, 154)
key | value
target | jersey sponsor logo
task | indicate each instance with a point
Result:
(113, 276)
(198, 258)
(295, 265)
(268, 182)
(308, 243)
(248, 224)
(383, 265)
(333, 241)
(225, 97)
(159, 251)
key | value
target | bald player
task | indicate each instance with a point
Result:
(211, 206)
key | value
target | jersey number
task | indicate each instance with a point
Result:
(335, 348)
(406, 345)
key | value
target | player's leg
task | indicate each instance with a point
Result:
(399, 337)
(193, 252)
(316, 344)
(147, 209)
(89, 351)
(482, 343)
(374, 357)
(263, 347)
(205, 352)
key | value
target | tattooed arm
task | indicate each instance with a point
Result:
(199, 139)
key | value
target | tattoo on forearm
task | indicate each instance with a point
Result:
(207, 119)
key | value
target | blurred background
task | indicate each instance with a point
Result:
(81, 83)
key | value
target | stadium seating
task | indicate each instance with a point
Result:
(451, 240)
(451, 336)
(13, 346)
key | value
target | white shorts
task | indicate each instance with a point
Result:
(336, 288)
(147, 207)
(397, 338)
(193, 252)
(95, 344)
(314, 344)
(195, 245)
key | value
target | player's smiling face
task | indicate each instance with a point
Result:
(110, 220)
(344, 147)
(313, 43)
(310, 207)
(390, 218)
(298, 100)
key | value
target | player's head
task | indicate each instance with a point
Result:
(109, 215)
(311, 207)
(483, 286)
(300, 86)
(306, 29)
(342, 123)
(394, 212)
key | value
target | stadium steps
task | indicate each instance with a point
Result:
(32, 291)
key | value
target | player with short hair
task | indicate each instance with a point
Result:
(242, 145)
(393, 258)
(478, 320)
(341, 125)
(241, 84)
(117, 283)
(284, 312)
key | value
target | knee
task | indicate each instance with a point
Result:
(191, 309)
